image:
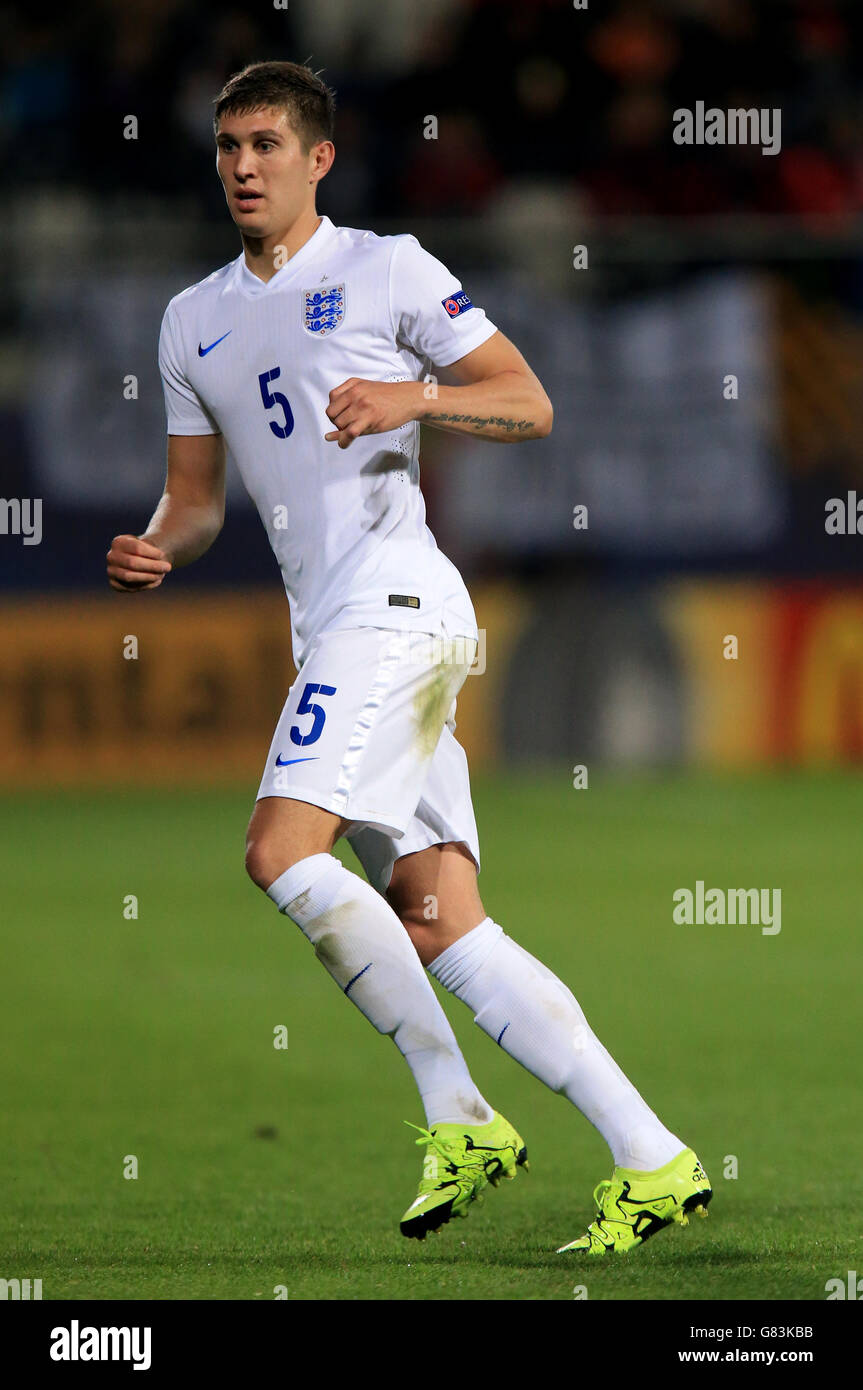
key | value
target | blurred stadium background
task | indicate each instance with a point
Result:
(705, 514)
(605, 645)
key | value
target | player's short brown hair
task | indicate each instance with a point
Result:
(308, 101)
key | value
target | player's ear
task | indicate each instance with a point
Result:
(322, 156)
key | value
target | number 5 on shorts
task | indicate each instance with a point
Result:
(317, 711)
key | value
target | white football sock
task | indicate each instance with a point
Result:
(535, 1018)
(361, 942)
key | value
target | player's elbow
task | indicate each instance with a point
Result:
(218, 518)
(544, 417)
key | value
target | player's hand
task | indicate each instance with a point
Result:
(371, 407)
(135, 564)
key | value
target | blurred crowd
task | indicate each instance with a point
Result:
(522, 89)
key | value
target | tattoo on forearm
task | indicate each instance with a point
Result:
(480, 421)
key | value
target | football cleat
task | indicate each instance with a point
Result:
(460, 1161)
(633, 1206)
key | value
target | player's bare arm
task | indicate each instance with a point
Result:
(188, 518)
(497, 396)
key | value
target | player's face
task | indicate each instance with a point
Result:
(264, 170)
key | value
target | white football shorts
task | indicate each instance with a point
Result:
(367, 732)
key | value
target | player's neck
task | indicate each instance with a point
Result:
(266, 255)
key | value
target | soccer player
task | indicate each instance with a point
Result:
(306, 358)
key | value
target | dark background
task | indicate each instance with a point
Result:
(554, 129)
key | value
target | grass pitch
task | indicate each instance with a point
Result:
(152, 1037)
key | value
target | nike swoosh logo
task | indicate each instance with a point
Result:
(202, 351)
(289, 762)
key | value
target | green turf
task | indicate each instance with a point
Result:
(257, 1167)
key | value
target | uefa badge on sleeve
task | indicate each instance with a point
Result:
(323, 309)
(457, 303)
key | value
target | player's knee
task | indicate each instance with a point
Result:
(413, 917)
(269, 855)
(264, 861)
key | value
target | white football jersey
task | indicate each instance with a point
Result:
(256, 362)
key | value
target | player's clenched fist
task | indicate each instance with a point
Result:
(135, 564)
(371, 407)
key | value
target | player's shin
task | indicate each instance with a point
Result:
(532, 1015)
(361, 942)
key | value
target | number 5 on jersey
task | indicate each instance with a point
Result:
(275, 398)
(317, 712)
